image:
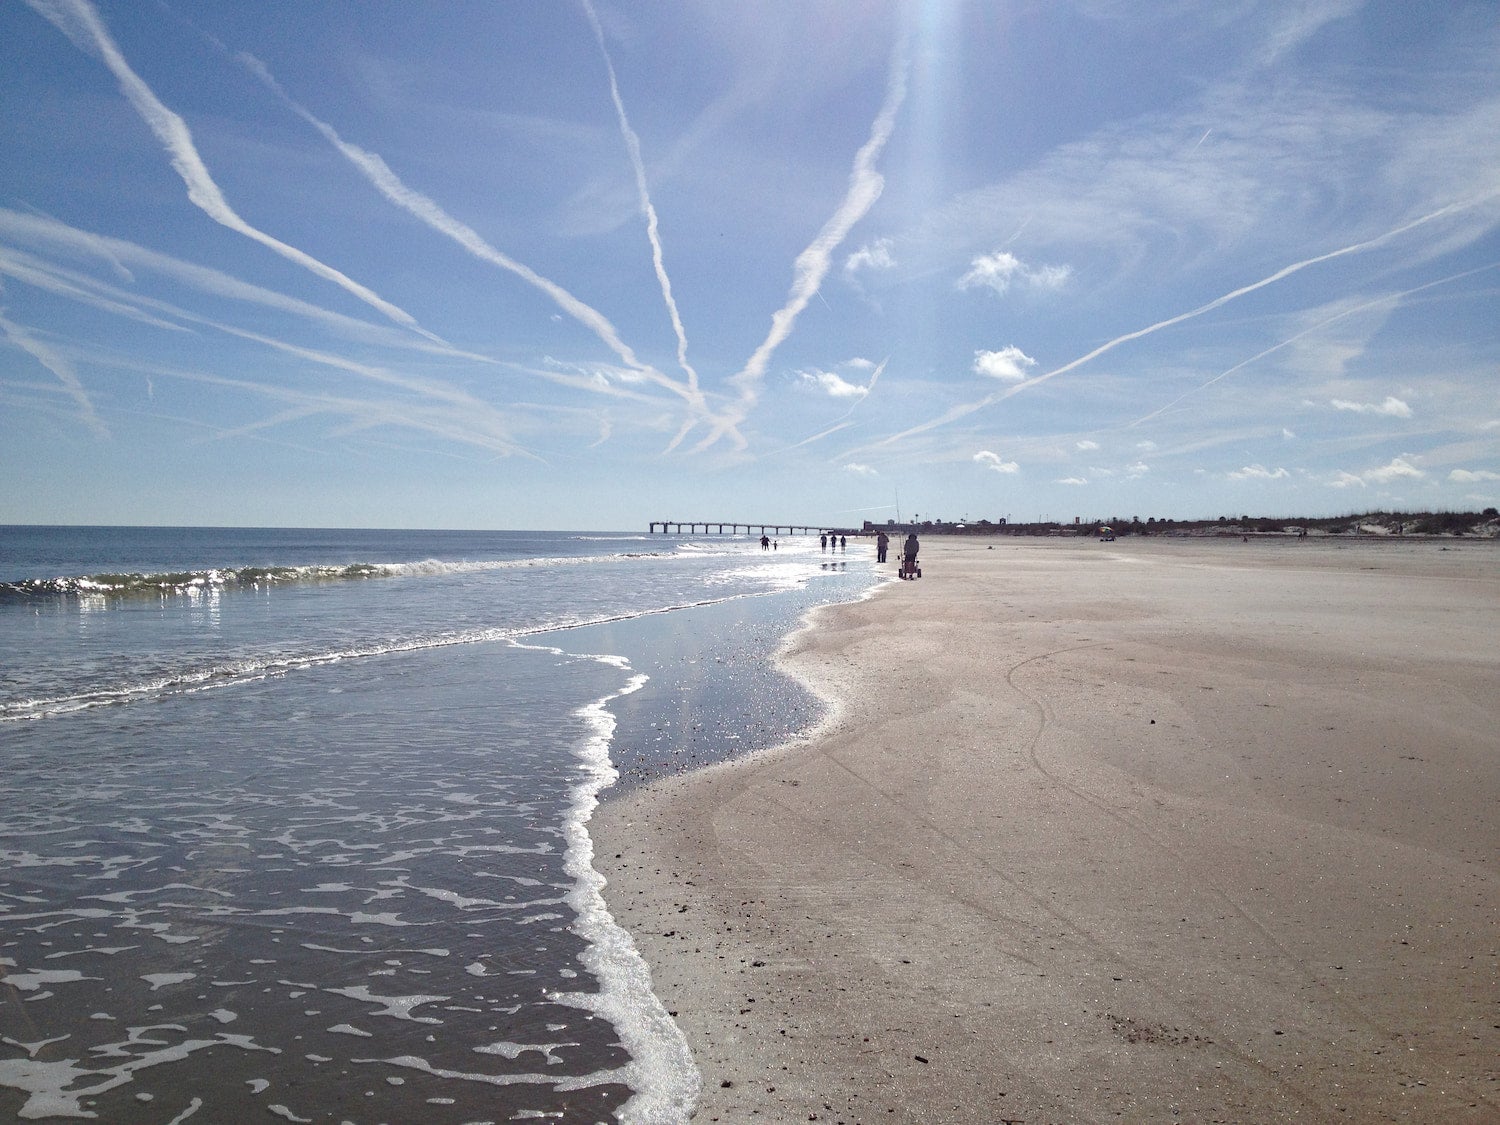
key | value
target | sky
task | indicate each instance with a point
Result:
(573, 265)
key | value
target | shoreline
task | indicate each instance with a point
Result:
(1094, 830)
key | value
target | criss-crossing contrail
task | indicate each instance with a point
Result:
(430, 212)
(427, 388)
(441, 410)
(839, 423)
(47, 233)
(60, 366)
(483, 429)
(966, 409)
(38, 274)
(812, 265)
(50, 277)
(633, 146)
(432, 391)
(78, 20)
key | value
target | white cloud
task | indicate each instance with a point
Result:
(1392, 407)
(1328, 340)
(1087, 445)
(1009, 364)
(861, 363)
(835, 386)
(1050, 277)
(995, 461)
(1472, 476)
(1145, 446)
(872, 256)
(1071, 480)
(1120, 188)
(1139, 469)
(992, 270)
(862, 470)
(1287, 435)
(998, 271)
(1396, 469)
(1258, 472)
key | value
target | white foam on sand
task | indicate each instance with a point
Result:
(661, 1071)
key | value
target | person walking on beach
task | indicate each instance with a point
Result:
(882, 545)
(843, 542)
(823, 541)
(765, 542)
(909, 553)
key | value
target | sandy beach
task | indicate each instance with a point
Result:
(1154, 830)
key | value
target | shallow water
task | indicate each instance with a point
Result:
(323, 854)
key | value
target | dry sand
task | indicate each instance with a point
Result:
(1146, 831)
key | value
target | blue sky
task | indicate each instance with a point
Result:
(555, 264)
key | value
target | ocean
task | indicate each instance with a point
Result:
(294, 823)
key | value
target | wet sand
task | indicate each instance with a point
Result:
(1148, 831)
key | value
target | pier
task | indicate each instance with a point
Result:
(717, 527)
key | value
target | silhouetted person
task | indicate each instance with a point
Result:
(823, 541)
(882, 545)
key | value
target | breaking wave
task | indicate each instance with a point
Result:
(167, 583)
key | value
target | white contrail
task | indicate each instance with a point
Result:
(811, 266)
(107, 298)
(78, 20)
(59, 366)
(633, 145)
(440, 392)
(869, 388)
(39, 231)
(37, 215)
(430, 212)
(1286, 271)
(840, 422)
(469, 423)
(465, 404)
(855, 405)
(65, 283)
(1390, 299)
(835, 428)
